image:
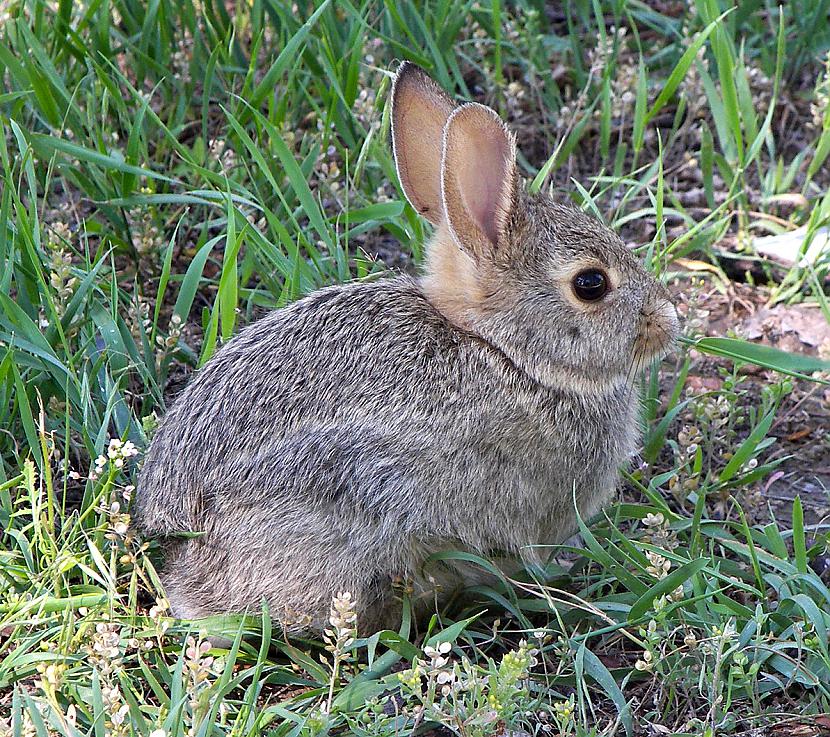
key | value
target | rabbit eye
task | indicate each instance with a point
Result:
(590, 285)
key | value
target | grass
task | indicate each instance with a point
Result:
(171, 170)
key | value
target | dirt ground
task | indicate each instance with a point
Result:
(802, 425)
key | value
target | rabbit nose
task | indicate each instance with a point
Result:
(659, 327)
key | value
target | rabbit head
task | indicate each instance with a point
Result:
(553, 289)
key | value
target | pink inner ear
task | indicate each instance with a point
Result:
(483, 179)
(420, 110)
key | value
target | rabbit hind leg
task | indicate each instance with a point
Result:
(298, 580)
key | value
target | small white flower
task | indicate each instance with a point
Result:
(690, 640)
(120, 715)
(159, 608)
(654, 520)
(659, 566)
(645, 663)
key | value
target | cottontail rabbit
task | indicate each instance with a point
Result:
(338, 442)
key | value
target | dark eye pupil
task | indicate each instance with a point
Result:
(590, 285)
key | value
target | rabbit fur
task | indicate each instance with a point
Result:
(337, 443)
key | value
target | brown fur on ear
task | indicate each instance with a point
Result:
(478, 175)
(420, 109)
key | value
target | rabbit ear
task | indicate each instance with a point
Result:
(420, 109)
(479, 177)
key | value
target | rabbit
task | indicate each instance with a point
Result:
(336, 443)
